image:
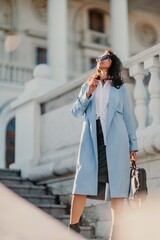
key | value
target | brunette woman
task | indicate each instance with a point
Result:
(108, 141)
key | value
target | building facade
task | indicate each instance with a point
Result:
(68, 35)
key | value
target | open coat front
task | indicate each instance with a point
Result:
(120, 138)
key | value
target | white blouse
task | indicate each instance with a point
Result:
(102, 98)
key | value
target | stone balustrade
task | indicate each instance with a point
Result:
(15, 73)
(95, 39)
(144, 68)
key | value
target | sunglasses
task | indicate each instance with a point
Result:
(103, 58)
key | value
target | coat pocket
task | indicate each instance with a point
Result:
(119, 111)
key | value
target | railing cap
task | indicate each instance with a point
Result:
(142, 56)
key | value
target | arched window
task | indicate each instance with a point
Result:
(10, 143)
(96, 21)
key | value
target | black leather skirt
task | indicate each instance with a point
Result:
(102, 160)
(102, 165)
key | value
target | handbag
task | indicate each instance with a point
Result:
(138, 190)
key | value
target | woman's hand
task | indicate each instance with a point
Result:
(132, 156)
(92, 85)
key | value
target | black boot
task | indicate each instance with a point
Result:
(75, 227)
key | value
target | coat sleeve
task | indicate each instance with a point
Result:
(81, 102)
(129, 122)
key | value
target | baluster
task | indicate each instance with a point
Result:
(3, 72)
(11, 74)
(7, 71)
(152, 64)
(17, 74)
(140, 95)
(23, 75)
(14, 74)
(1, 67)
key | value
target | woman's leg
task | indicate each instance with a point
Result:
(77, 207)
(117, 208)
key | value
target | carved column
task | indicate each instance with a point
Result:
(140, 95)
(119, 28)
(153, 65)
(58, 40)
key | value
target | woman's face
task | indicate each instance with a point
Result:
(104, 64)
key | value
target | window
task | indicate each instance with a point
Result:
(41, 55)
(92, 63)
(96, 21)
(10, 143)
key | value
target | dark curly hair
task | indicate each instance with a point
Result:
(114, 71)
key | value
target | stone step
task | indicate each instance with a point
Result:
(14, 180)
(87, 231)
(22, 189)
(64, 218)
(10, 172)
(53, 209)
(42, 199)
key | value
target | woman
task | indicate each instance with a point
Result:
(108, 141)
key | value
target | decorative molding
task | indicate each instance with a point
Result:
(36, 34)
(146, 34)
(5, 13)
(5, 29)
(40, 7)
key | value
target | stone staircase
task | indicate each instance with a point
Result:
(41, 197)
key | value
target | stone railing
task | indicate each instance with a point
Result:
(50, 104)
(144, 68)
(15, 73)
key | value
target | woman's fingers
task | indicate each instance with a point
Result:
(95, 75)
(94, 81)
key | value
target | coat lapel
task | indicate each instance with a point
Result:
(93, 127)
(114, 99)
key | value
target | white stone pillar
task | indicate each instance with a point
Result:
(58, 40)
(28, 120)
(119, 28)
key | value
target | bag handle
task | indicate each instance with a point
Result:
(133, 164)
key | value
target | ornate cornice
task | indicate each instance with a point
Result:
(40, 7)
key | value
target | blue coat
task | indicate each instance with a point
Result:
(120, 140)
